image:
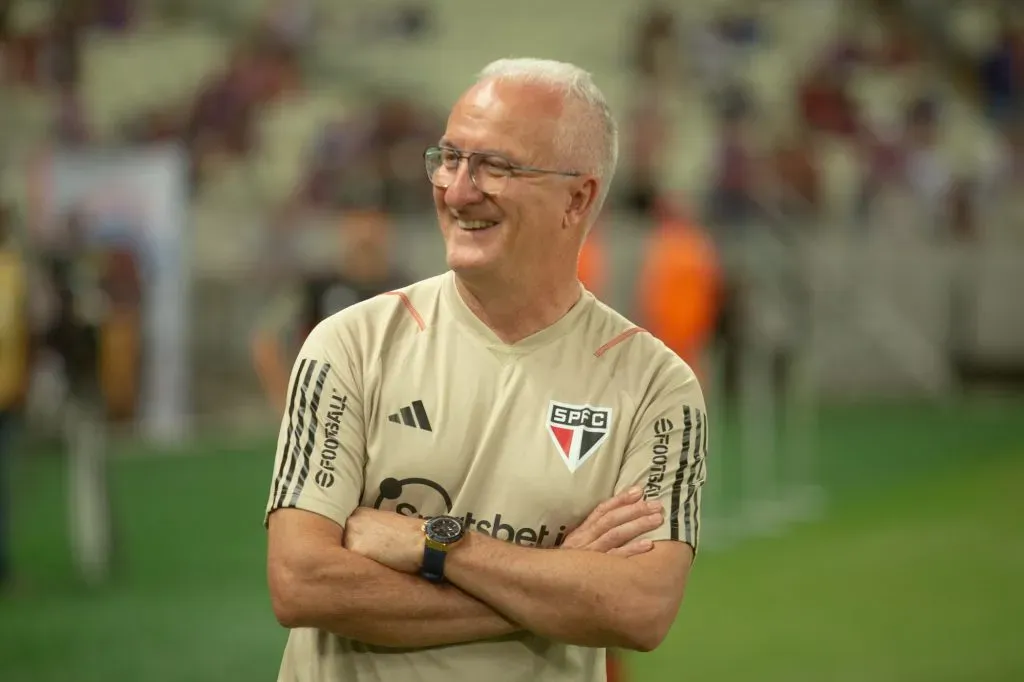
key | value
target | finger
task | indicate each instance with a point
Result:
(586, 532)
(625, 533)
(624, 498)
(633, 548)
(617, 517)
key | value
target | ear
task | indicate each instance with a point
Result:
(581, 201)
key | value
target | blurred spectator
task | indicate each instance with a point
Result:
(648, 138)
(364, 269)
(678, 288)
(1002, 75)
(120, 347)
(739, 26)
(927, 171)
(221, 123)
(655, 44)
(738, 174)
(962, 214)
(825, 101)
(380, 147)
(797, 175)
(74, 270)
(14, 361)
(289, 24)
(71, 128)
(1013, 165)
(721, 46)
(63, 55)
(113, 15)
(914, 164)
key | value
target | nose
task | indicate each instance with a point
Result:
(462, 192)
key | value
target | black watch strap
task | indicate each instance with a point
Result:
(433, 564)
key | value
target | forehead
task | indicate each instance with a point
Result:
(515, 118)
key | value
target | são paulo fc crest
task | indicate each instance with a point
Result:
(578, 430)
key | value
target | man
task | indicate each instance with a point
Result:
(557, 449)
(75, 271)
(678, 287)
(14, 346)
(365, 270)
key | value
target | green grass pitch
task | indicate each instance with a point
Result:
(913, 574)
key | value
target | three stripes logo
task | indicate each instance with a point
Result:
(684, 513)
(414, 415)
(301, 437)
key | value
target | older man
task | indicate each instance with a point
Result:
(489, 474)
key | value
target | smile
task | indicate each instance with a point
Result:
(474, 225)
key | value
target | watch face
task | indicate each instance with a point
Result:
(444, 529)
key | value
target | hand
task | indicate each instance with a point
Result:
(390, 539)
(615, 524)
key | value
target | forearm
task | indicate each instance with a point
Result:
(341, 592)
(573, 596)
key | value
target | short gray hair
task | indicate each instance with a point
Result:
(592, 139)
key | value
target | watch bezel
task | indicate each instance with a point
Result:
(431, 531)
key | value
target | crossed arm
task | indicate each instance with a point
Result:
(366, 590)
(316, 582)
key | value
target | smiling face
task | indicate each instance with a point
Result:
(532, 230)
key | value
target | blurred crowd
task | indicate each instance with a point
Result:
(773, 162)
(867, 131)
(771, 158)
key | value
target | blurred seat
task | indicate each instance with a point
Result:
(287, 129)
(149, 67)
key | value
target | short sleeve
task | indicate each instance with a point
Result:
(667, 452)
(321, 446)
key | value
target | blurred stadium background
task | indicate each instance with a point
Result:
(856, 166)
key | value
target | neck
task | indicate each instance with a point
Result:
(516, 312)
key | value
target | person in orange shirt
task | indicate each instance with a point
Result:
(593, 263)
(679, 286)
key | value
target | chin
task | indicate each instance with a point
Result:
(467, 261)
(468, 251)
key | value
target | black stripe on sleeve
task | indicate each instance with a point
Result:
(680, 479)
(298, 420)
(282, 456)
(699, 474)
(692, 463)
(314, 425)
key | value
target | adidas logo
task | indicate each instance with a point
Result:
(412, 415)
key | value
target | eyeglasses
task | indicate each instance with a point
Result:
(489, 172)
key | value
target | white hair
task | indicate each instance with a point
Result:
(588, 133)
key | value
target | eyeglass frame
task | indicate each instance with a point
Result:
(513, 168)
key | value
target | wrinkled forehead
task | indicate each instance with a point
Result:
(518, 120)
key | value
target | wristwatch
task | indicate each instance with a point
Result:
(441, 533)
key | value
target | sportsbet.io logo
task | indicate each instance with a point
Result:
(578, 430)
(424, 498)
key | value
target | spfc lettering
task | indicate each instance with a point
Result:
(578, 430)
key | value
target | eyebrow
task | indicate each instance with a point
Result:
(445, 142)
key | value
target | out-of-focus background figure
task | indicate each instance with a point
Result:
(14, 364)
(76, 280)
(818, 204)
(360, 269)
